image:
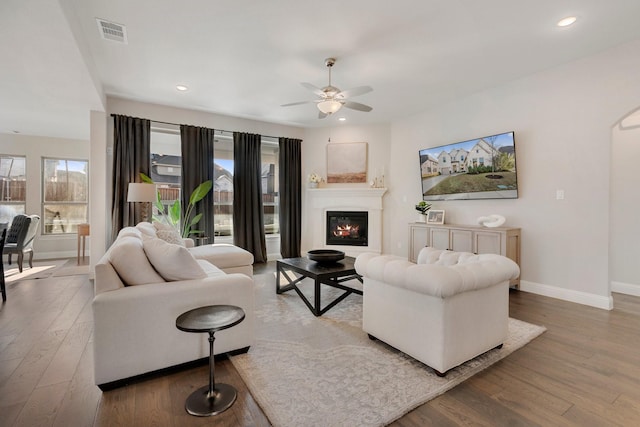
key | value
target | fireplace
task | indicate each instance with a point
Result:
(347, 228)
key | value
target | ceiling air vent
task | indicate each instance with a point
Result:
(112, 31)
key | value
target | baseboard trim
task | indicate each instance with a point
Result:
(583, 298)
(37, 256)
(625, 288)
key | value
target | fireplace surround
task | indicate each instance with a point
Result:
(321, 200)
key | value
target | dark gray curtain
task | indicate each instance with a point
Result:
(248, 216)
(290, 191)
(131, 155)
(197, 167)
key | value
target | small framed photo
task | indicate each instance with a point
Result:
(435, 217)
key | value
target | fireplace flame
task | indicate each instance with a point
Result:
(347, 230)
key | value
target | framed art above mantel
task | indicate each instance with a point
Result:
(347, 162)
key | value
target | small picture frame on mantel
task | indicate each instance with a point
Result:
(435, 216)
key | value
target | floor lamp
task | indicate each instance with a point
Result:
(143, 193)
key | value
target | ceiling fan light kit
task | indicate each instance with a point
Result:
(333, 99)
(329, 106)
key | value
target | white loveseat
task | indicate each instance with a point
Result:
(443, 311)
(142, 284)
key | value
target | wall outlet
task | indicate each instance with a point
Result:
(559, 194)
(399, 245)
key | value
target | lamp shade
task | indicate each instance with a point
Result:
(329, 106)
(141, 192)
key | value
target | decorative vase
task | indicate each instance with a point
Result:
(421, 218)
(313, 185)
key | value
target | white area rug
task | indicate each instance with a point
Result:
(308, 371)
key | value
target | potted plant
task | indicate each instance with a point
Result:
(422, 207)
(173, 213)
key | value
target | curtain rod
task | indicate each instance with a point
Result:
(222, 131)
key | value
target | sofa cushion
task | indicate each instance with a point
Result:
(129, 260)
(223, 255)
(168, 233)
(173, 262)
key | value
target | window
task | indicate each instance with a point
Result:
(65, 197)
(166, 172)
(223, 189)
(166, 165)
(270, 165)
(14, 187)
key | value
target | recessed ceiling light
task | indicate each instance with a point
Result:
(565, 22)
(342, 119)
(181, 88)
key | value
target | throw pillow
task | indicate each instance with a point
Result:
(168, 233)
(130, 262)
(173, 262)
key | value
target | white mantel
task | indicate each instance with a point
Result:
(321, 200)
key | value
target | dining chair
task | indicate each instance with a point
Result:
(20, 238)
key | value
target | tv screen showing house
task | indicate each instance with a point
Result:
(481, 168)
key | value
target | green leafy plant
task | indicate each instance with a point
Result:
(172, 216)
(423, 207)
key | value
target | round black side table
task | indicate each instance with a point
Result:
(213, 398)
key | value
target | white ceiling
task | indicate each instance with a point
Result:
(246, 57)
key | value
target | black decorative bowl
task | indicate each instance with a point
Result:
(325, 256)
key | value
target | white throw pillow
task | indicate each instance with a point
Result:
(173, 262)
(168, 233)
(130, 262)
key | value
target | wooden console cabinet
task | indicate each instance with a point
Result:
(463, 238)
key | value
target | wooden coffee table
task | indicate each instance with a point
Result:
(333, 275)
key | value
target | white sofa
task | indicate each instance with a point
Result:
(443, 311)
(142, 284)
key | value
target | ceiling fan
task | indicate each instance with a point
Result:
(333, 99)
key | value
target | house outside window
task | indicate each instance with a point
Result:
(13, 190)
(65, 198)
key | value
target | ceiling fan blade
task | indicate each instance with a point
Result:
(312, 88)
(357, 106)
(296, 103)
(360, 90)
(321, 115)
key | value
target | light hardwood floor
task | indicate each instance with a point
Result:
(584, 371)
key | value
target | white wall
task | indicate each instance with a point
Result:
(314, 158)
(562, 120)
(625, 198)
(35, 148)
(103, 151)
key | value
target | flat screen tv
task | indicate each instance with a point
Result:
(481, 168)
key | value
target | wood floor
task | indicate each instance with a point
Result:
(584, 371)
